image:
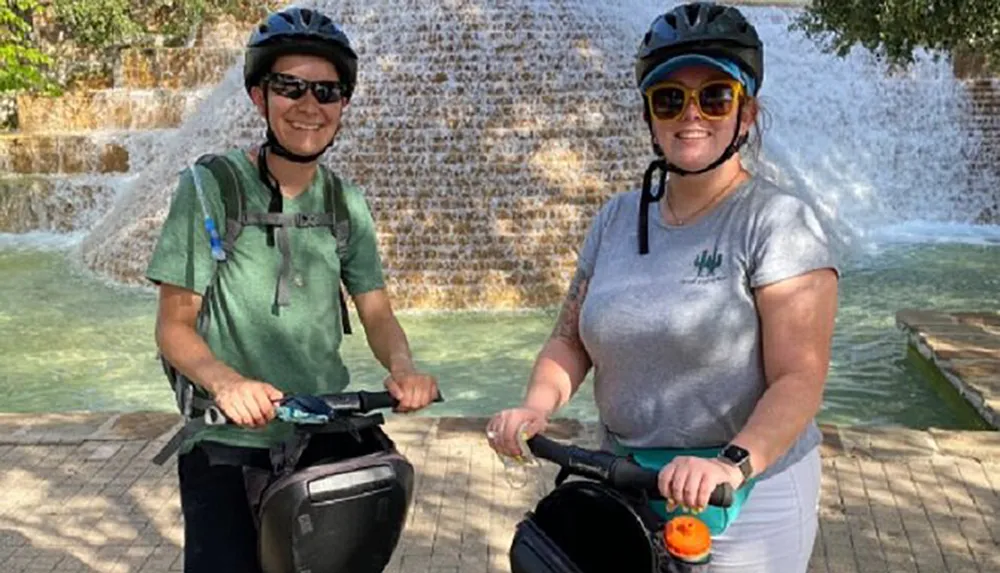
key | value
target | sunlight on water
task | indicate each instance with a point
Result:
(74, 343)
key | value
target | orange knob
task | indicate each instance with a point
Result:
(688, 538)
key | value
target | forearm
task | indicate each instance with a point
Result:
(187, 351)
(781, 415)
(563, 363)
(558, 372)
(389, 345)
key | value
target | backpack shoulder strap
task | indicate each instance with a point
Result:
(231, 190)
(335, 202)
(192, 402)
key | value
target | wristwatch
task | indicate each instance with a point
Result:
(738, 457)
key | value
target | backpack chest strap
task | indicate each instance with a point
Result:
(282, 221)
(260, 219)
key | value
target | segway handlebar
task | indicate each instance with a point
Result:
(616, 471)
(341, 403)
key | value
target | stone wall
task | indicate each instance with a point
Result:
(984, 122)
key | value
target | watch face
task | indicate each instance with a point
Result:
(735, 454)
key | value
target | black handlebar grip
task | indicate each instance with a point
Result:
(626, 473)
(722, 496)
(547, 449)
(376, 400)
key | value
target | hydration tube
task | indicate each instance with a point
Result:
(218, 253)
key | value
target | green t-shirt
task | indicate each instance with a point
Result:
(294, 348)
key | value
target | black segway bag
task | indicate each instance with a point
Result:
(338, 517)
(584, 527)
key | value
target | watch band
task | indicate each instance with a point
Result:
(739, 457)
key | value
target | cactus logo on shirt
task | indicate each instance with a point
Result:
(706, 264)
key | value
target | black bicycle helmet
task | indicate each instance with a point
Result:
(296, 31)
(299, 31)
(702, 28)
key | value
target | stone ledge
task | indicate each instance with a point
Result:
(61, 153)
(111, 109)
(174, 68)
(965, 348)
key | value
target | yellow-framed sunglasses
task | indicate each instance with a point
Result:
(716, 99)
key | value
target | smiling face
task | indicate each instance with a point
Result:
(691, 141)
(304, 126)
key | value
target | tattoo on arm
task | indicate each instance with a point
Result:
(567, 327)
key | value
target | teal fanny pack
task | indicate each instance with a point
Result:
(716, 518)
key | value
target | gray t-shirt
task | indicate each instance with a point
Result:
(674, 335)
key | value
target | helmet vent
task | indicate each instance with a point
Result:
(691, 12)
(306, 17)
(715, 11)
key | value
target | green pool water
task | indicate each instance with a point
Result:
(72, 342)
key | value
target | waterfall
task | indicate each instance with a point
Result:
(486, 134)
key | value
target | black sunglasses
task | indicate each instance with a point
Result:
(293, 87)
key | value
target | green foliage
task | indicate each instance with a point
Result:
(98, 23)
(113, 23)
(34, 59)
(894, 29)
(22, 65)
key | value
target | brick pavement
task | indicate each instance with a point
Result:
(80, 494)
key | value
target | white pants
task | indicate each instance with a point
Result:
(776, 528)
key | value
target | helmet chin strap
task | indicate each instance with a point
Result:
(278, 149)
(281, 150)
(649, 195)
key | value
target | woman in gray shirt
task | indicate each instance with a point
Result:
(708, 323)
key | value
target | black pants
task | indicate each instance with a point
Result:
(220, 535)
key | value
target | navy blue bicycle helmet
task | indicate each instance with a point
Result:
(702, 28)
(706, 33)
(299, 31)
